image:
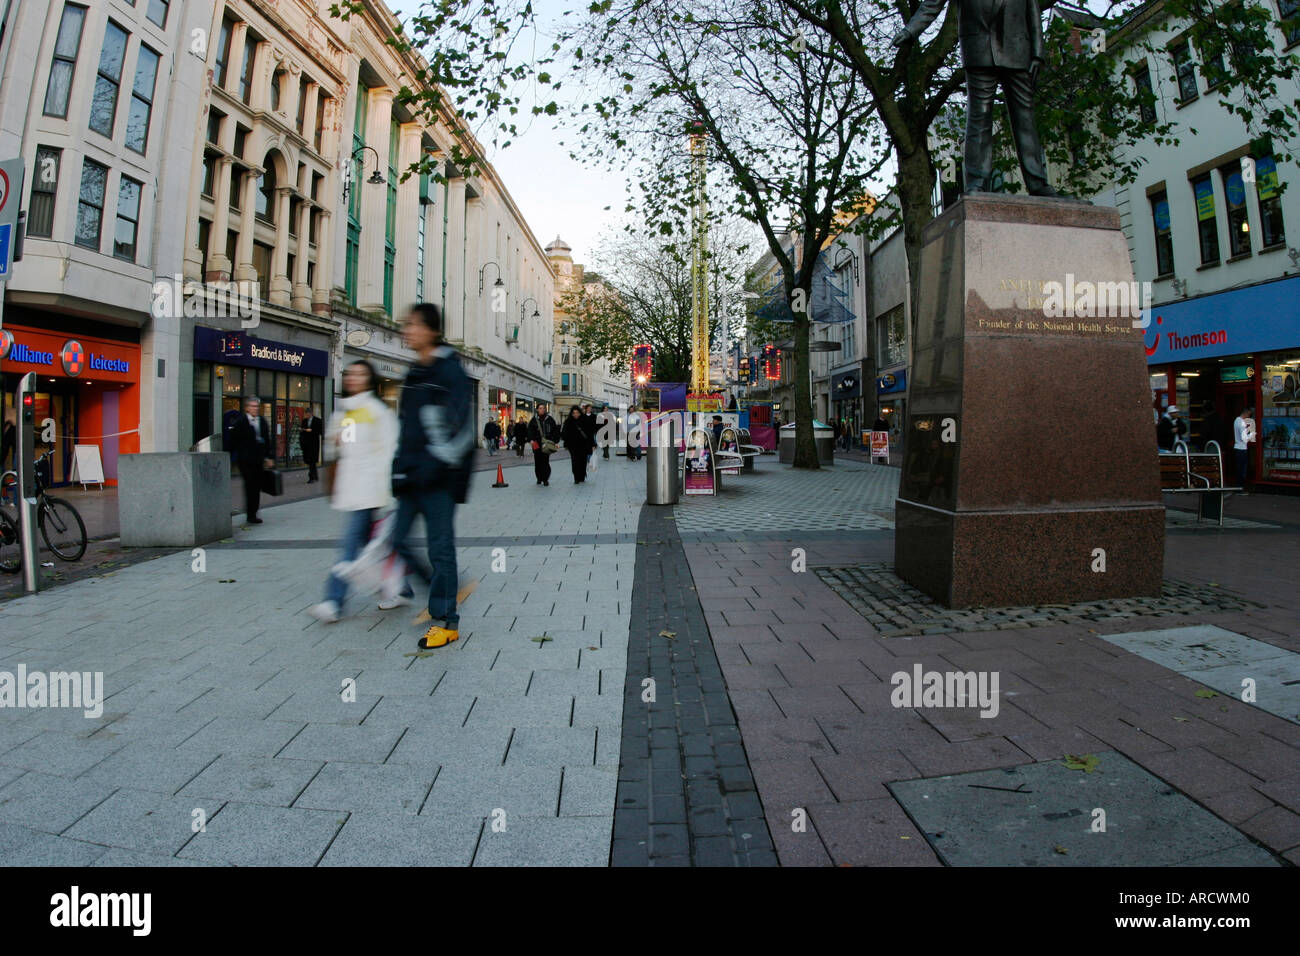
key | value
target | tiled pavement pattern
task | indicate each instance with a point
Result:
(225, 697)
(685, 793)
(894, 608)
(809, 679)
(841, 497)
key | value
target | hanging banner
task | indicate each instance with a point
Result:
(1204, 191)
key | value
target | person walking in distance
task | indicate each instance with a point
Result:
(577, 443)
(435, 435)
(521, 436)
(310, 440)
(492, 435)
(543, 428)
(605, 431)
(1243, 433)
(251, 442)
(364, 432)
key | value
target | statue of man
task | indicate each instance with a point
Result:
(1001, 44)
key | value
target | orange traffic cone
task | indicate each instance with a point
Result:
(501, 479)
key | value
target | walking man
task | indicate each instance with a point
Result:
(310, 437)
(492, 435)
(251, 442)
(435, 436)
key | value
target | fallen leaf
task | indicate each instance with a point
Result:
(1061, 850)
(668, 634)
(593, 648)
(542, 639)
(1181, 720)
(1087, 763)
(1206, 693)
(419, 654)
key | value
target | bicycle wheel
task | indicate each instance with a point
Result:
(62, 528)
(11, 549)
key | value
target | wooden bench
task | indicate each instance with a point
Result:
(1184, 471)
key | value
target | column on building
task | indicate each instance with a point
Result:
(374, 205)
(281, 288)
(312, 95)
(324, 277)
(408, 211)
(301, 295)
(455, 317)
(478, 319)
(220, 267)
(244, 270)
(433, 241)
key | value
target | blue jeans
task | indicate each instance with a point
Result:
(356, 532)
(437, 508)
(1243, 465)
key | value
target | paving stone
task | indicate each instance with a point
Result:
(50, 803)
(371, 838)
(20, 846)
(246, 834)
(539, 841)
(270, 780)
(145, 821)
(359, 786)
(588, 791)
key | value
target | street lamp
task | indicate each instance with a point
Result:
(375, 179)
(496, 285)
(523, 305)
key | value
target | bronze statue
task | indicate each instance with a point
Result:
(1001, 43)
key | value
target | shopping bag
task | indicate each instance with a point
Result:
(371, 569)
(591, 465)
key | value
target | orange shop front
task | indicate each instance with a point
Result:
(87, 386)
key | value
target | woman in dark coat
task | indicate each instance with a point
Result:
(542, 426)
(577, 443)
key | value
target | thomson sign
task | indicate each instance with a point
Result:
(1259, 318)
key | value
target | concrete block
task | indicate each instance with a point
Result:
(173, 499)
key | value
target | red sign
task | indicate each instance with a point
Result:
(58, 356)
(880, 445)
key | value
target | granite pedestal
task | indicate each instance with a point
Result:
(173, 499)
(1030, 474)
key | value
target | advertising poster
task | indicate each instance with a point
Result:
(880, 445)
(698, 478)
(730, 442)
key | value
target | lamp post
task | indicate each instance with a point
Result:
(375, 179)
(496, 285)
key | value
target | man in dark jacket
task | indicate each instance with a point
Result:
(251, 444)
(1001, 44)
(492, 435)
(435, 438)
(543, 426)
(309, 440)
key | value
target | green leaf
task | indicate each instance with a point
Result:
(1207, 693)
(1087, 763)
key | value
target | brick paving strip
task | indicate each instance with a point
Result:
(810, 681)
(685, 793)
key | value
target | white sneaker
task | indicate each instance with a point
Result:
(327, 612)
(401, 600)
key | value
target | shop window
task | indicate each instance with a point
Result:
(90, 205)
(1185, 66)
(233, 382)
(103, 104)
(128, 218)
(221, 67)
(137, 120)
(64, 65)
(1234, 194)
(299, 388)
(1267, 192)
(1279, 431)
(1146, 95)
(892, 341)
(45, 187)
(157, 12)
(1207, 223)
(1288, 14)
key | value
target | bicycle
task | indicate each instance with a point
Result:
(61, 526)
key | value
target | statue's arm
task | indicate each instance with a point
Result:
(924, 16)
(1035, 15)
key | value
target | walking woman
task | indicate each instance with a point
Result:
(577, 442)
(543, 429)
(364, 432)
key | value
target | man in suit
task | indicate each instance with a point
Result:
(251, 442)
(309, 439)
(1001, 44)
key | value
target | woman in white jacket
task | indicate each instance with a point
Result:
(364, 432)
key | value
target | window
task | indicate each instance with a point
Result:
(277, 81)
(564, 381)
(241, 140)
(157, 11)
(1164, 235)
(137, 121)
(311, 226)
(222, 66)
(262, 258)
(90, 206)
(1207, 225)
(1288, 13)
(318, 136)
(390, 219)
(65, 61)
(1270, 203)
(246, 71)
(205, 233)
(128, 218)
(419, 255)
(103, 106)
(1234, 193)
(892, 338)
(302, 102)
(264, 195)
(45, 186)
(1146, 95)
(209, 173)
(1213, 67)
(214, 127)
(1186, 69)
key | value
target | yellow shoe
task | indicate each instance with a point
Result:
(437, 637)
